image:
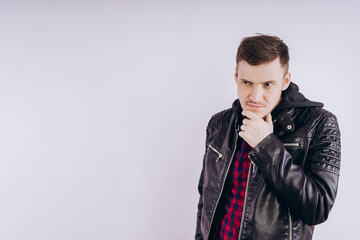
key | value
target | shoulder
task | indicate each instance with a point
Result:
(319, 117)
(220, 119)
(321, 126)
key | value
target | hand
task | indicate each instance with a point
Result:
(254, 129)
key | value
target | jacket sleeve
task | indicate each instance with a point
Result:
(198, 233)
(309, 193)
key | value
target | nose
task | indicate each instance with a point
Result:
(256, 94)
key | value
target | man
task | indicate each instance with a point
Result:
(271, 166)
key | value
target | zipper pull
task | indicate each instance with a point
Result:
(219, 154)
(253, 164)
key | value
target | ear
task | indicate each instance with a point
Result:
(286, 81)
(236, 74)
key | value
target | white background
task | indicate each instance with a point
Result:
(104, 105)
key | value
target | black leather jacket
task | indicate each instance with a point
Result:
(293, 176)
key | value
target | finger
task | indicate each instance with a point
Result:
(268, 118)
(245, 121)
(243, 127)
(242, 134)
(249, 114)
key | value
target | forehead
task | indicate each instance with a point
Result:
(272, 71)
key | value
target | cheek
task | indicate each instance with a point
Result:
(242, 96)
(242, 91)
(273, 98)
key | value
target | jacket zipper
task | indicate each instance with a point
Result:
(290, 226)
(245, 200)
(245, 203)
(223, 184)
(219, 154)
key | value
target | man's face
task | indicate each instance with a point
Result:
(259, 87)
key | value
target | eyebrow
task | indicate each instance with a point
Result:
(269, 81)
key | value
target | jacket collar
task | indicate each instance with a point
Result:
(290, 98)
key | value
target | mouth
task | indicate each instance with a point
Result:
(254, 106)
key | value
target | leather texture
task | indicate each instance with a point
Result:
(293, 178)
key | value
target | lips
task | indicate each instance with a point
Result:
(255, 106)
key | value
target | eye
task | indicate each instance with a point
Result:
(246, 82)
(268, 84)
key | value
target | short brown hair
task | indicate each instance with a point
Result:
(261, 49)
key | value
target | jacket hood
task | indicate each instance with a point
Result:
(291, 97)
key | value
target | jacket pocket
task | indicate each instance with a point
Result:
(216, 161)
(291, 144)
(297, 151)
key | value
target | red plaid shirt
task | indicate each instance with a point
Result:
(230, 224)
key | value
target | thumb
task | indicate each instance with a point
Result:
(268, 118)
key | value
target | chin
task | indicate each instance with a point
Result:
(261, 113)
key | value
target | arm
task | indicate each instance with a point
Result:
(198, 234)
(309, 193)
